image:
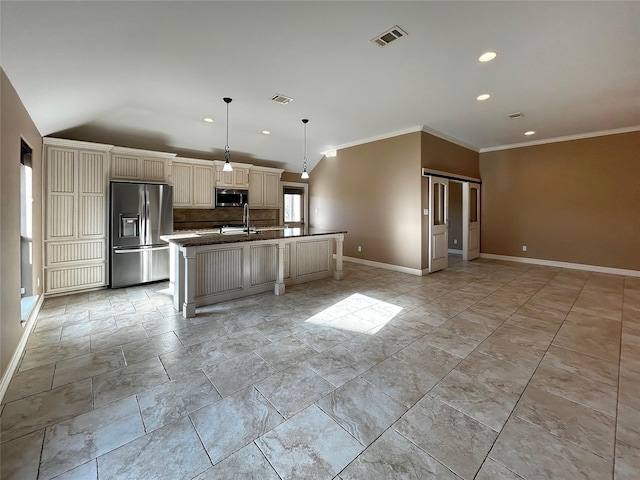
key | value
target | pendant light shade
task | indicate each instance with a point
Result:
(304, 169)
(227, 154)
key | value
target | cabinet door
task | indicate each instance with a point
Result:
(203, 181)
(182, 173)
(92, 206)
(256, 189)
(62, 184)
(126, 166)
(271, 190)
(240, 177)
(153, 169)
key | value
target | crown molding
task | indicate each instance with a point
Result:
(397, 133)
(63, 142)
(566, 138)
(136, 151)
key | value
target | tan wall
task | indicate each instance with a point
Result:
(439, 154)
(575, 201)
(455, 215)
(293, 177)
(373, 191)
(15, 124)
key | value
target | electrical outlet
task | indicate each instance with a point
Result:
(38, 282)
(359, 248)
(425, 212)
(524, 248)
(455, 241)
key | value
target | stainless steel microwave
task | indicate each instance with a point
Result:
(229, 197)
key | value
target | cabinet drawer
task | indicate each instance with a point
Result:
(75, 278)
(62, 253)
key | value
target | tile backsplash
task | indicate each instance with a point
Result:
(194, 218)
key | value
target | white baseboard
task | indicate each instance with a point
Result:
(17, 355)
(386, 266)
(457, 252)
(553, 263)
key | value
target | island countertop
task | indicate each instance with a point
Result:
(196, 238)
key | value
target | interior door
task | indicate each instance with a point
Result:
(438, 223)
(470, 221)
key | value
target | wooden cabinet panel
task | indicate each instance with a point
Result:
(61, 222)
(271, 190)
(181, 174)
(125, 166)
(154, 169)
(256, 189)
(203, 184)
(237, 178)
(193, 183)
(61, 170)
(138, 167)
(264, 187)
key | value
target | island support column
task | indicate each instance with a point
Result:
(189, 306)
(278, 289)
(338, 274)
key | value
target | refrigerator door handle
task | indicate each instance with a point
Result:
(139, 250)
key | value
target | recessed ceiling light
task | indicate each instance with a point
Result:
(529, 132)
(208, 120)
(331, 153)
(484, 96)
(266, 132)
(487, 56)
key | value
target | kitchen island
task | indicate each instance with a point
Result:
(208, 267)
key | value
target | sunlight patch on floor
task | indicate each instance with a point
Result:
(357, 313)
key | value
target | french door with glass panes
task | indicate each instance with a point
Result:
(438, 223)
(470, 220)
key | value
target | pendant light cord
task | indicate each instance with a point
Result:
(227, 153)
(305, 121)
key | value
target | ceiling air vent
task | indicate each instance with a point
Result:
(281, 99)
(389, 36)
(515, 115)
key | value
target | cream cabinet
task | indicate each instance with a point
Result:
(141, 165)
(76, 179)
(193, 183)
(264, 187)
(237, 178)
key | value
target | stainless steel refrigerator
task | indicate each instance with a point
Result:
(140, 214)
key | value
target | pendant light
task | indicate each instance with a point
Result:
(304, 170)
(227, 154)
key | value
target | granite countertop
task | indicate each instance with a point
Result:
(195, 238)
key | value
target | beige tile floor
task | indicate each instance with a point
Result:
(487, 370)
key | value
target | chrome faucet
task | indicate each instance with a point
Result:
(245, 217)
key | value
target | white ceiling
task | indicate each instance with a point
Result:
(145, 74)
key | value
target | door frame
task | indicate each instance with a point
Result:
(305, 208)
(465, 180)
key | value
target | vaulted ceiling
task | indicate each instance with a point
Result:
(145, 74)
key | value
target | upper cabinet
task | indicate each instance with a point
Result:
(237, 178)
(264, 187)
(193, 183)
(141, 165)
